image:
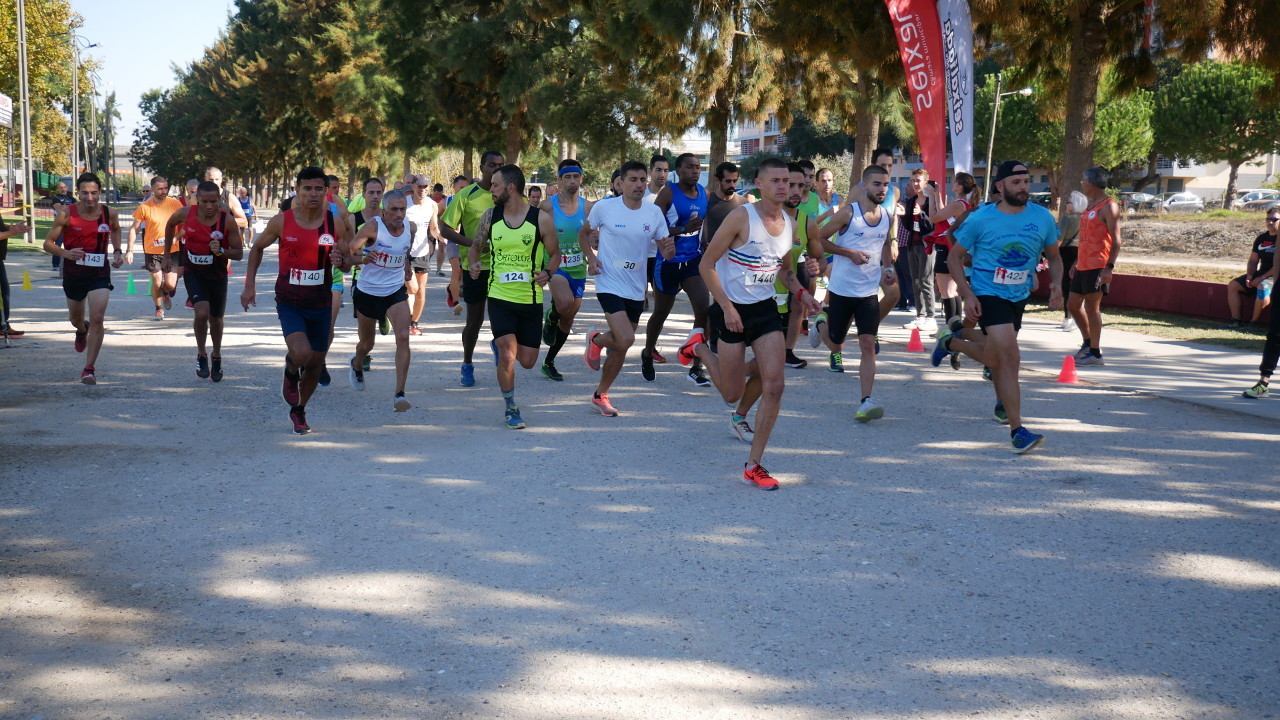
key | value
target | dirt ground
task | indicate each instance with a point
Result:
(1195, 241)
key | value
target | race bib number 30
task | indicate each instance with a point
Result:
(1005, 276)
(628, 265)
(93, 260)
(573, 260)
(306, 277)
(513, 277)
(200, 259)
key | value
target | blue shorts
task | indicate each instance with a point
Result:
(315, 322)
(668, 276)
(577, 285)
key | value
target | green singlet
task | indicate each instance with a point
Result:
(518, 254)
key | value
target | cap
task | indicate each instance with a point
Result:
(1009, 168)
(422, 180)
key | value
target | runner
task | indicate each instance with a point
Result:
(520, 241)
(1096, 259)
(863, 251)
(688, 200)
(627, 226)
(437, 194)
(659, 171)
(370, 204)
(86, 228)
(209, 239)
(806, 244)
(965, 190)
(569, 211)
(741, 264)
(380, 247)
(828, 199)
(459, 226)
(422, 215)
(311, 241)
(1004, 242)
(156, 246)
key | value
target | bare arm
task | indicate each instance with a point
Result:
(170, 231)
(59, 225)
(953, 209)
(480, 243)
(732, 231)
(547, 226)
(237, 212)
(234, 243)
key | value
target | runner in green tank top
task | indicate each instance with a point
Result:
(806, 233)
(523, 250)
(569, 211)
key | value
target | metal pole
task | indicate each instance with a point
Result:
(991, 141)
(75, 107)
(28, 192)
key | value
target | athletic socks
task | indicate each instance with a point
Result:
(510, 397)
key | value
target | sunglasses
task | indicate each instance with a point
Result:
(1273, 219)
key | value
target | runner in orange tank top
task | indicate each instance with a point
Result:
(1091, 278)
(87, 228)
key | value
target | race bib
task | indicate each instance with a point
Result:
(306, 277)
(513, 277)
(159, 242)
(628, 265)
(326, 240)
(200, 259)
(573, 260)
(93, 260)
(389, 261)
(1005, 276)
(762, 278)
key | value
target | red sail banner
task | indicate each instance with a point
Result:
(919, 33)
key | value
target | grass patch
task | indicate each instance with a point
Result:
(1184, 272)
(20, 244)
(1167, 325)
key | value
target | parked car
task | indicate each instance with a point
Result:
(1040, 198)
(1134, 201)
(1255, 200)
(1182, 202)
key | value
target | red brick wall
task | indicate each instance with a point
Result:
(1196, 298)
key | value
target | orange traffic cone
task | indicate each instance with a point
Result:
(1068, 374)
(914, 345)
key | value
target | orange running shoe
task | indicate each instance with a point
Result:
(592, 354)
(686, 350)
(657, 357)
(602, 402)
(758, 476)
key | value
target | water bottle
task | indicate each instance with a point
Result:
(1264, 288)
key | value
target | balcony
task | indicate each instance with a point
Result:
(1169, 167)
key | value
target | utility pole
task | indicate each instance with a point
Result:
(28, 192)
(75, 106)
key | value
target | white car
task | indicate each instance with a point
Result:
(1255, 200)
(1182, 202)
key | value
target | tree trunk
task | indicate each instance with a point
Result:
(1231, 184)
(404, 170)
(1087, 51)
(1152, 173)
(717, 119)
(573, 149)
(867, 132)
(564, 150)
(468, 166)
(351, 182)
(515, 136)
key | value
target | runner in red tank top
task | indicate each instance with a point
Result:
(87, 228)
(312, 243)
(210, 239)
(1091, 278)
(965, 190)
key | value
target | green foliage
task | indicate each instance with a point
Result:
(1218, 112)
(805, 138)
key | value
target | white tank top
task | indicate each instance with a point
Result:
(855, 281)
(383, 273)
(747, 273)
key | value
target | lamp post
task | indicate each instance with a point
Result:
(991, 138)
(75, 101)
(28, 215)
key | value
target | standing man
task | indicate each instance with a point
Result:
(459, 225)
(521, 242)
(1261, 258)
(687, 200)
(422, 216)
(1005, 241)
(311, 241)
(210, 239)
(569, 212)
(627, 227)
(6, 232)
(87, 227)
(381, 247)
(741, 264)
(60, 201)
(535, 196)
(157, 247)
(1095, 261)
(914, 227)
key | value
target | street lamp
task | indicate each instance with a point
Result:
(76, 46)
(991, 138)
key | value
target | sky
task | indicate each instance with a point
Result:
(138, 49)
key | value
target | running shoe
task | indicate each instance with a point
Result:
(835, 362)
(159, 314)
(698, 377)
(215, 368)
(400, 404)
(448, 299)
(999, 415)
(605, 407)
(190, 305)
(1091, 359)
(168, 302)
(955, 361)
(10, 331)
(743, 431)
(928, 325)
(325, 378)
(202, 367)
(384, 326)
(549, 370)
(468, 375)
(550, 320)
(367, 360)
(439, 272)
(592, 352)
(877, 337)
(646, 365)
(299, 418)
(289, 390)
(457, 309)
(1083, 352)
(815, 335)
(913, 325)
(1068, 324)
(1258, 391)
(686, 353)
(869, 410)
(658, 358)
(514, 421)
(986, 374)
(940, 349)
(355, 376)
(758, 476)
(81, 340)
(795, 362)
(956, 323)
(1024, 440)
(87, 377)
(1233, 325)
(414, 329)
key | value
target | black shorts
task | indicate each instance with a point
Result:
(474, 291)
(841, 311)
(207, 288)
(524, 320)
(669, 276)
(374, 306)
(652, 262)
(758, 319)
(154, 261)
(998, 311)
(611, 304)
(420, 265)
(1088, 281)
(940, 255)
(78, 290)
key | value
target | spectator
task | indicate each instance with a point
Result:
(1099, 247)
(61, 201)
(5, 233)
(913, 226)
(246, 204)
(535, 196)
(1069, 233)
(1261, 260)
(1270, 350)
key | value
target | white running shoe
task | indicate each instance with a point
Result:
(913, 325)
(741, 428)
(1068, 324)
(869, 410)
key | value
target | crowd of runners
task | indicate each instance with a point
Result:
(759, 270)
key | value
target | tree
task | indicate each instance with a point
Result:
(1219, 112)
(49, 67)
(805, 138)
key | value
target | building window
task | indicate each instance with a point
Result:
(750, 147)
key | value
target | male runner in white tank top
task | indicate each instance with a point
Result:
(740, 266)
(862, 251)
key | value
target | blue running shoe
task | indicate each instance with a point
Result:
(1024, 440)
(513, 419)
(999, 415)
(468, 375)
(940, 351)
